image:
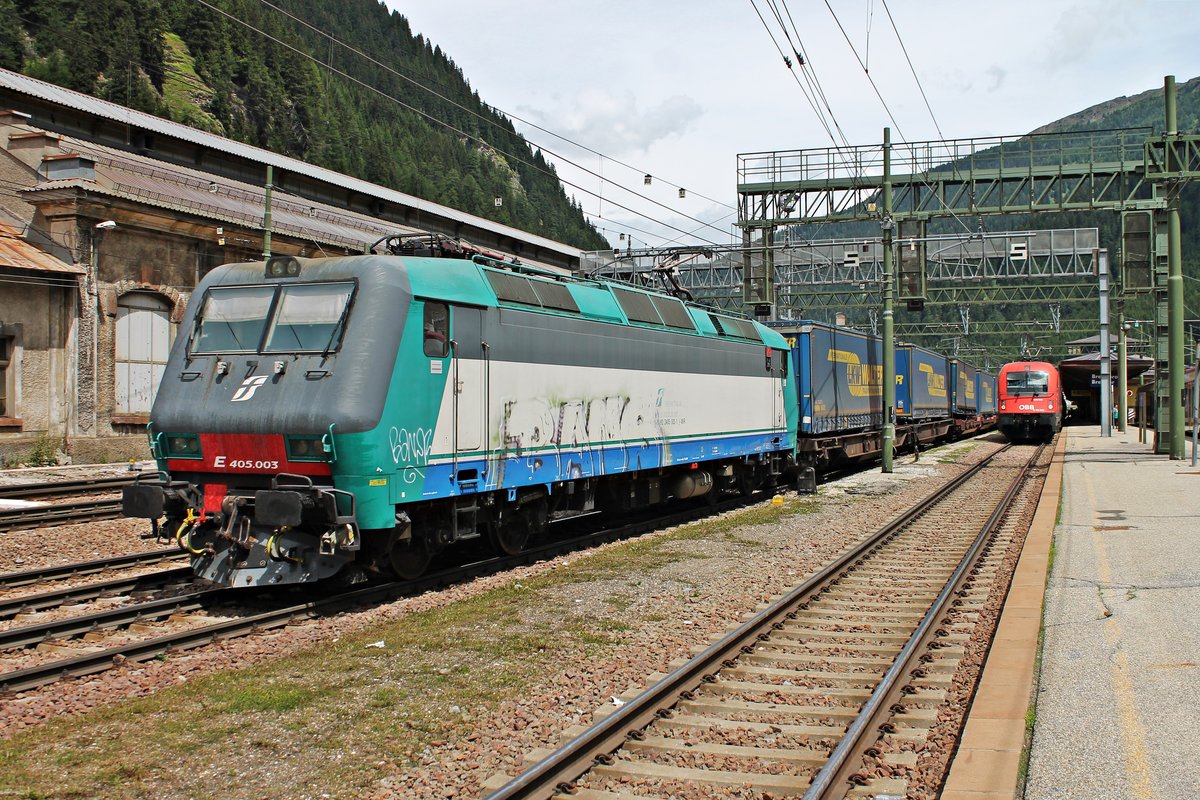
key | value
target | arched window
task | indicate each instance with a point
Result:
(143, 342)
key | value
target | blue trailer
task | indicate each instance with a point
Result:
(922, 383)
(985, 393)
(963, 398)
(839, 375)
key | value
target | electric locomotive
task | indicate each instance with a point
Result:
(359, 414)
(1030, 401)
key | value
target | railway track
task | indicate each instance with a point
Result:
(12, 580)
(42, 653)
(59, 488)
(55, 598)
(829, 692)
(16, 519)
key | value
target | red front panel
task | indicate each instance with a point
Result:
(1028, 405)
(1043, 403)
(245, 454)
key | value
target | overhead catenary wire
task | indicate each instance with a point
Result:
(456, 130)
(888, 110)
(787, 60)
(356, 51)
(913, 69)
(810, 69)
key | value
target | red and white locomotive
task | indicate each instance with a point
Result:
(1030, 401)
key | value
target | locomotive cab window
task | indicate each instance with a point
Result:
(232, 319)
(437, 330)
(309, 317)
(1027, 382)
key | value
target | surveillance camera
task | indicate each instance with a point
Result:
(107, 225)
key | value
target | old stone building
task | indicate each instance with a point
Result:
(97, 262)
(39, 295)
(108, 219)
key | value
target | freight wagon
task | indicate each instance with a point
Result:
(985, 394)
(839, 376)
(963, 399)
(922, 384)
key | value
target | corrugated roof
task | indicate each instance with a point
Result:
(102, 108)
(151, 182)
(16, 253)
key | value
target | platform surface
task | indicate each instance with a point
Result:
(1118, 703)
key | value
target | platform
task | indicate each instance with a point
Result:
(1117, 696)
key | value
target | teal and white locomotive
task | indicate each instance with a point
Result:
(360, 414)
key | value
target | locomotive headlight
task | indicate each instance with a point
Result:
(183, 445)
(305, 448)
(282, 267)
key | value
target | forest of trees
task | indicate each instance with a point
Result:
(194, 62)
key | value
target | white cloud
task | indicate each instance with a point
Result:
(614, 124)
(996, 74)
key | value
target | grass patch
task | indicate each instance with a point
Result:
(953, 454)
(618, 602)
(276, 699)
(184, 92)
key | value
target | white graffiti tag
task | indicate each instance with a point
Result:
(411, 448)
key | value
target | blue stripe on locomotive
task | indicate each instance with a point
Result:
(551, 465)
(963, 397)
(922, 385)
(839, 375)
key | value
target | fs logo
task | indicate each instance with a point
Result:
(248, 388)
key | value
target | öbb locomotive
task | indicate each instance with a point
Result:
(360, 414)
(1031, 401)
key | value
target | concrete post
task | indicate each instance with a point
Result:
(1174, 294)
(1122, 369)
(1106, 405)
(889, 344)
(267, 214)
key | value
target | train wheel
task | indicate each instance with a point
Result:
(410, 558)
(746, 480)
(510, 534)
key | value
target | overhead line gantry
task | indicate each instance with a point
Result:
(1124, 170)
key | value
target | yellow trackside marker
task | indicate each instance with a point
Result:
(1133, 734)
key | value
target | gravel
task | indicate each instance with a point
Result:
(658, 611)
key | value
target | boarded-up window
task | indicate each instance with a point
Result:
(143, 342)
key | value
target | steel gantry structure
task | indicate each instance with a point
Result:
(894, 185)
(819, 279)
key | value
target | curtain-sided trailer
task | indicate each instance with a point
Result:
(963, 398)
(922, 384)
(839, 387)
(985, 394)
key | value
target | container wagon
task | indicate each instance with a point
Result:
(922, 384)
(985, 394)
(963, 398)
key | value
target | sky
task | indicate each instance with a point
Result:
(678, 89)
